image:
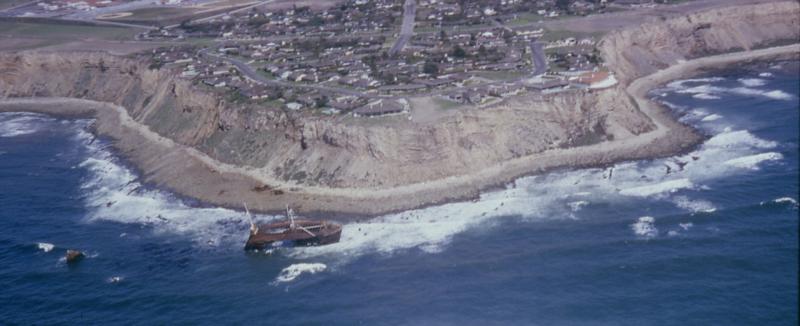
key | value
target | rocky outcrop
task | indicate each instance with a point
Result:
(642, 50)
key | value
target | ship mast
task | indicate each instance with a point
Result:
(253, 226)
(293, 225)
(290, 214)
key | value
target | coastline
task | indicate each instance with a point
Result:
(189, 172)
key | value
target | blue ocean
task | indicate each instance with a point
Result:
(709, 237)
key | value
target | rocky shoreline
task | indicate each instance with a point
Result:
(175, 162)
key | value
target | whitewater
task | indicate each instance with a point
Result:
(561, 247)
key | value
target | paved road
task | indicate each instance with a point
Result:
(205, 19)
(539, 59)
(407, 28)
(251, 73)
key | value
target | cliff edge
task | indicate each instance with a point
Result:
(200, 145)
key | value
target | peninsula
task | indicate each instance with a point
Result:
(403, 104)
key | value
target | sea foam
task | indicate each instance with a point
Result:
(752, 82)
(658, 188)
(645, 227)
(44, 246)
(13, 124)
(113, 193)
(290, 273)
(694, 205)
(752, 161)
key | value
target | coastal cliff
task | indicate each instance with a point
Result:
(225, 153)
(642, 50)
(319, 150)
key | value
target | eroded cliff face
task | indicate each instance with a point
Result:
(154, 98)
(642, 50)
(327, 151)
(391, 151)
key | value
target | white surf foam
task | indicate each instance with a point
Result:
(13, 124)
(765, 74)
(705, 96)
(645, 227)
(752, 161)
(681, 84)
(778, 95)
(784, 200)
(738, 138)
(774, 94)
(712, 117)
(113, 193)
(752, 82)
(44, 246)
(710, 91)
(290, 273)
(115, 279)
(694, 205)
(686, 226)
(658, 188)
(577, 205)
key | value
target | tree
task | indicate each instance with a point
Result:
(563, 5)
(482, 51)
(459, 52)
(430, 68)
(321, 101)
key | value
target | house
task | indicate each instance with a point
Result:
(379, 107)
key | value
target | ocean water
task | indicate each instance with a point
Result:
(705, 238)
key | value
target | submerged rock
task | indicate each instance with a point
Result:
(74, 256)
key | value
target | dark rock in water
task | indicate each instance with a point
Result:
(74, 256)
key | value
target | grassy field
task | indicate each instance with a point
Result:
(443, 104)
(24, 35)
(552, 35)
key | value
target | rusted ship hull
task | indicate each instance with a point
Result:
(305, 233)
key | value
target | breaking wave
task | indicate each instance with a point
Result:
(645, 227)
(694, 205)
(112, 192)
(705, 96)
(44, 246)
(791, 202)
(711, 117)
(290, 273)
(702, 88)
(752, 161)
(13, 124)
(752, 82)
